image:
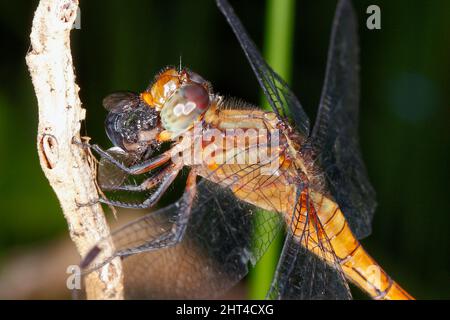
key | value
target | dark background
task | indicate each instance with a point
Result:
(405, 116)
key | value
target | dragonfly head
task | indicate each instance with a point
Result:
(181, 98)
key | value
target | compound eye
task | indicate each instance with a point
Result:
(184, 108)
(195, 77)
(196, 94)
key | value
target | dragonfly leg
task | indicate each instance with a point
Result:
(176, 233)
(136, 169)
(147, 183)
(133, 238)
(165, 181)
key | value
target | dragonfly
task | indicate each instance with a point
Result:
(250, 173)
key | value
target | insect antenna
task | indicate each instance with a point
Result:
(180, 66)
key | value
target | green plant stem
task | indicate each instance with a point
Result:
(279, 30)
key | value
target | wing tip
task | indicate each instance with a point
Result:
(90, 256)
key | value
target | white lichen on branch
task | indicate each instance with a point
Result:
(66, 165)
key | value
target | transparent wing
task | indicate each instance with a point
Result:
(304, 276)
(301, 274)
(335, 133)
(110, 176)
(120, 101)
(275, 89)
(214, 254)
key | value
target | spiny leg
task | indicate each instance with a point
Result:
(147, 183)
(139, 168)
(136, 169)
(176, 233)
(165, 178)
(136, 237)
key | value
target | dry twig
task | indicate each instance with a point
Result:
(60, 114)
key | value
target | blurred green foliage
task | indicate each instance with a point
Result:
(405, 114)
(278, 52)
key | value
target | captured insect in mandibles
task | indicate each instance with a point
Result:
(249, 169)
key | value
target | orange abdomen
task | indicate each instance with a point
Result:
(277, 193)
(359, 267)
